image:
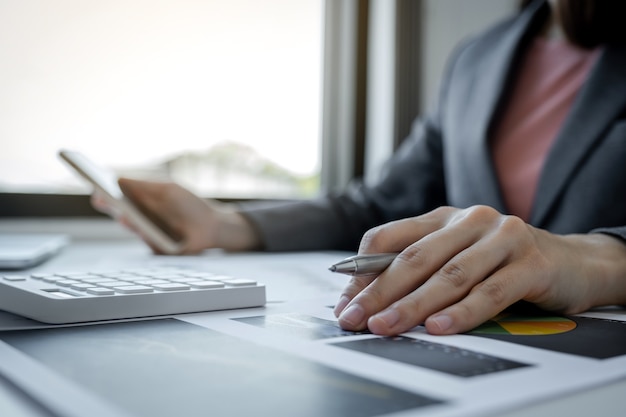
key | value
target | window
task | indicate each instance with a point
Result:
(221, 96)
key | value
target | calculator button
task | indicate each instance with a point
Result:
(202, 275)
(68, 274)
(221, 278)
(78, 277)
(103, 272)
(113, 284)
(66, 282)
(168, 276)
(14, 277)
(171, 287)
(120, 276)
(40, 276)
(239, 282)
(205, 285)
(184, 280)
(150, 281)
(52, 278)
(81, 286)
(94, 280)
(133, 289)
(100, 291)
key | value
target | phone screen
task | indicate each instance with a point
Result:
(105, 179)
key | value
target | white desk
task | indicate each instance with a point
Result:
(289, 277)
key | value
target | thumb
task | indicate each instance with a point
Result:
(132, 188)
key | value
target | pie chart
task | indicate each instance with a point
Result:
(525, 325)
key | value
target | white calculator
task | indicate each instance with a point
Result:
(73, 297)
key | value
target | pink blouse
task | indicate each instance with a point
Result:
(549, 79)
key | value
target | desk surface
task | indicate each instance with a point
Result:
(249, 366)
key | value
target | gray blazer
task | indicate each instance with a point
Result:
(446, 159)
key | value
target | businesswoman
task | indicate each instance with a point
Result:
(512, 189)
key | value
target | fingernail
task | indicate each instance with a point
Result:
(389, 317)
(353, 315)
(442, 322)
(341, 304)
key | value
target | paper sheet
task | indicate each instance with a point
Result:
(519, 358)
(479, 374)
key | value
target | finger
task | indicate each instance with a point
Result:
(392, 237)
(410, 270)
(453, 281)
(131, 186)
(397, 235)
(507, 286)
(356, 285)
(141, 192)
(154, 201)
(147, 196)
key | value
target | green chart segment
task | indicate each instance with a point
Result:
(525, 325)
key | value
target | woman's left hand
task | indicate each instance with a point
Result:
(460, 267)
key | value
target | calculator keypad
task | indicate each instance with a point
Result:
(136, 281)
(92, 296)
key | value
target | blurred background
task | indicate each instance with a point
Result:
(237, 99)
(222, 96)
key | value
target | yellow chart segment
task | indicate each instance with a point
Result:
(525, 326)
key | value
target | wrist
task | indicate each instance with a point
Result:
(605, 269)
(235, 232)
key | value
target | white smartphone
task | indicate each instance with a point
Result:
(105, 181)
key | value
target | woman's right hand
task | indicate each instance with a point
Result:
(199, 223)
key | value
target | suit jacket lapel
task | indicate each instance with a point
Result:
(599, 102)
(494, 75)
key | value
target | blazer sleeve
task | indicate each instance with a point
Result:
(412, 183)
(618, 232)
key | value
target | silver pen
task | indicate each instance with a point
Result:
(364, 264)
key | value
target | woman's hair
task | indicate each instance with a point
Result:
(589, 23)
